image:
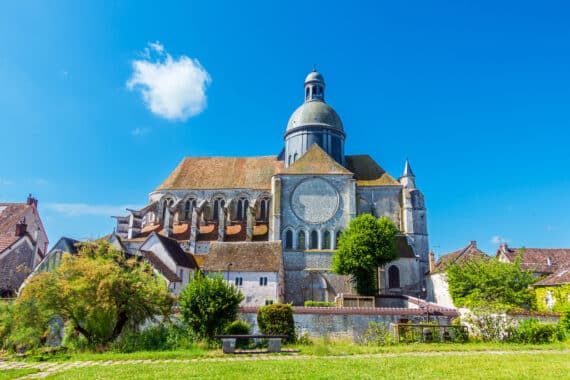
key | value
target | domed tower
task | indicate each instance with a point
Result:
(314, 122)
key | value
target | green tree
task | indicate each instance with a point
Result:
(365, 245)
(208, 304)
(277, 319)
(490, 283)
(98, 292)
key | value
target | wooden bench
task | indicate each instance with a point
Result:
(229, 342)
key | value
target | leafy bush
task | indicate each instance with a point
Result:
(490, 325)
(533, 332)
(459, 332)
(378, 334)
(208, 304)
(319, 304)
(155, 338)
(6, 322)
(239, 327)
(277, 319)
(304, 339)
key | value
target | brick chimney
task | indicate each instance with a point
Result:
(32, 201)
(21, 227)
(431, 262)
(473, 243)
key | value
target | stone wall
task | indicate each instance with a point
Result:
(351, 323)
(15, 265)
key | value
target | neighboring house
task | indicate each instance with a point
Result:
(437, 284)
(53, 258)
(551, 266)
(168, 258)
(23, 243)
(255, 268)
(553, 292)
(541, 261)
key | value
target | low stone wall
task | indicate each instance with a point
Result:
(348, 322)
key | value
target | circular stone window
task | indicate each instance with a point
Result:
(314, 200)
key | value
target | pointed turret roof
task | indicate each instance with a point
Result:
(316, 161)
(408, 170)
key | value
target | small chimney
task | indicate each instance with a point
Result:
(431, 262)
(32, 201)
(473, 243)
(21, 227)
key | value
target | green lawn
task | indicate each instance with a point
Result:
(467, 366)
(6, 374)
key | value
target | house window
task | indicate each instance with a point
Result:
(262, 281)
(239, 281)
(301, 240)
(327, 240)
(393, 277)
(181, 274)
(289, 239)
(268, 302)
(314, 240)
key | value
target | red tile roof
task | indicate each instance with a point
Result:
(466, 253)
(542, 260)
(560, 277)
(316, 161)
(368, 173)
(10, 215)
(244, 256)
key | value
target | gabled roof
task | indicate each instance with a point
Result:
(560, 277)
(223, 173)
(368, 173)
(65, 244)
(161, 267)
(244, 257)
(10, 215)
(466, 253)
(316, 161)
(543, 260)
(178, 255)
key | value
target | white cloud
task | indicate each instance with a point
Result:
(4, 181)
(498, 240)
(172, 88)
(140, 131)
(80, 209)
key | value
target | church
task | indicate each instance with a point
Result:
(270, 224)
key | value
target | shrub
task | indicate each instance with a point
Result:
(319, 304)
(155, 338)
(238, 327)
(533, 332)
(459, 332)
(6, 323)
(378, 334)
(277, 319)
(208, 304)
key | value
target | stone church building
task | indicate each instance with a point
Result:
(303, 198)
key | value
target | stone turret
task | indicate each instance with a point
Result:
(414, 221)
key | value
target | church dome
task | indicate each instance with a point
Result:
(314, 76)
(315, 113)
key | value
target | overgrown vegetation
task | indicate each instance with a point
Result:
(319, 304)
(490, 283)
(366, 244)
(208, 304)
(97, 295)
(277, 319)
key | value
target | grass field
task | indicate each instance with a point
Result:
(454, 366)
(7, 374)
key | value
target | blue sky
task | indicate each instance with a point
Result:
(475, 94)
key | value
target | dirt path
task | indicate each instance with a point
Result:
(48, 368)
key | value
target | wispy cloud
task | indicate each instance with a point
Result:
(498, 240)
(140, 131)
(172, 88)
(81, 209)
(6, 182)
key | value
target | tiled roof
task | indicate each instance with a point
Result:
(178, 255)
(465, 253)
(244, 256)
(161, 267)
(65, 244)
(560, 277)
(543, 260)
(10, 215)
(368, 173)
(316, 161)
(223, 173)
